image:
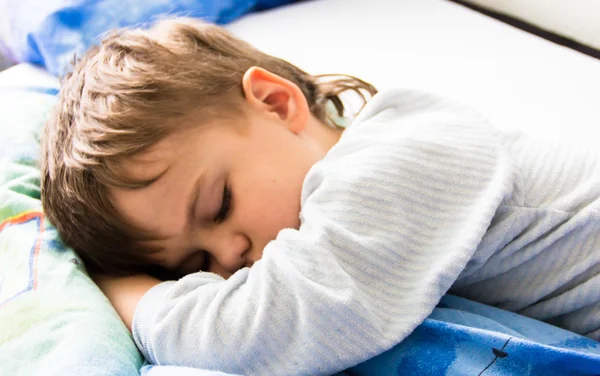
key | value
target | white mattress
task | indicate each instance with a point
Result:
(517, 80)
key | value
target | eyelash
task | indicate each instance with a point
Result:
(225, 206)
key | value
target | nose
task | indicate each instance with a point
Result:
(228, 251)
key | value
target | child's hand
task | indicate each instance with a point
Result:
(125, 292)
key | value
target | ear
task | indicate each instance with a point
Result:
(272, 94)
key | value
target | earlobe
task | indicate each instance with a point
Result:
(272, 94)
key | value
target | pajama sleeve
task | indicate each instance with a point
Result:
(390, 217)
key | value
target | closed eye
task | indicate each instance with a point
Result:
(225, 206)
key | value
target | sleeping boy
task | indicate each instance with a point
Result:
(235, 226)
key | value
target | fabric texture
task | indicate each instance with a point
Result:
(420, 194)
(462, 337)
(54, 321)
(49, 33)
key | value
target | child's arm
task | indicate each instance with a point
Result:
(125, 293)
(389, 220)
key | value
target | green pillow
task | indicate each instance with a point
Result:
(53, 318)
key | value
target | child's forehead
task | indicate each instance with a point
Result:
(175, 147)
(166, 148)
(159, 156)
(152, 161)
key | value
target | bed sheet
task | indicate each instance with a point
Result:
(517, 80)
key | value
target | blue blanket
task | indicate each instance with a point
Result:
(467, 338)
(48, 33)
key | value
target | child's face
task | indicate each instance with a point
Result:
(224, 190)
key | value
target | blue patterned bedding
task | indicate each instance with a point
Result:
(48, 33)
(462, 337)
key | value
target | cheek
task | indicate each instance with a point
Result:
(270, 205)
(269, 187)
(276, 209)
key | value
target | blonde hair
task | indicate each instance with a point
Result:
(128, 93)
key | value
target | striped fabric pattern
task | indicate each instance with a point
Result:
(419, 196)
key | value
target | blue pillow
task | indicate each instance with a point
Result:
(48, 33)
